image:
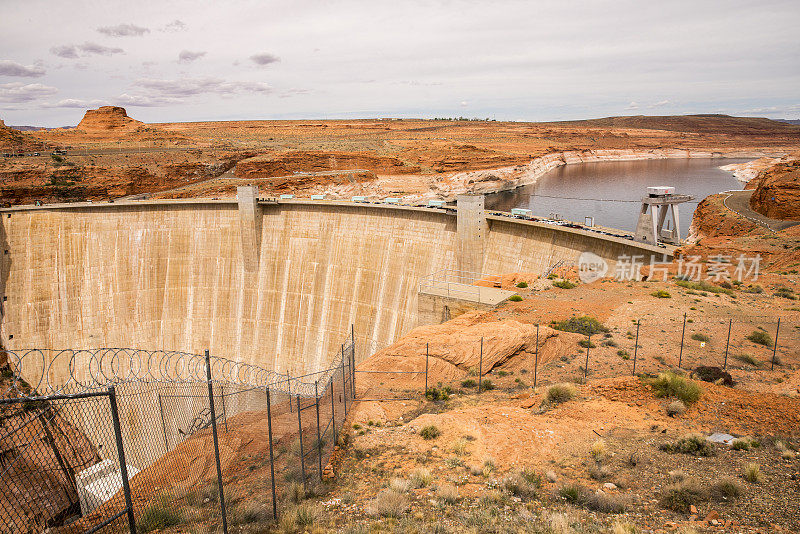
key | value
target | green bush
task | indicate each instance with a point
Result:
(438, 394)
(486, 385)
(749, 359)
(159, 516)
(669, 384)
(564, 284)
(515, 298)
(703, 286)
(693, 444)
(761, 338)
(580, 325)
(522, 285)
(560, 393)
(585, 343)
(430, 432)
(681, 496)
(661, 294)
(701, 337)
(623, 354)
(468, 383)
(786, 293)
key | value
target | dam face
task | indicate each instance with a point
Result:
(279, 288)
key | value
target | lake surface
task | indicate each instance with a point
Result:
(596, 189)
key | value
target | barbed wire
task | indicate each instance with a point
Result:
(47, 372)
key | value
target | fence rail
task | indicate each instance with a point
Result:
(109, 447)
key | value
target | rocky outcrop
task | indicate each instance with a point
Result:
(777, 191)
(298, 162)
(745, 172)
(108, 118)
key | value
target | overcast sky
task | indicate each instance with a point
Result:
(169, 61)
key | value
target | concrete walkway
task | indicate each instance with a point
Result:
(739, 202)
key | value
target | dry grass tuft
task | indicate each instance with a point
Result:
(388, 503)
(447, 493)
(421, 478)
(752, 473)
(599, 450)
(676, 408)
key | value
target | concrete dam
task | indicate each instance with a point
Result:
(277, 284)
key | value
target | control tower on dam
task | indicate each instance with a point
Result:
(273, 283)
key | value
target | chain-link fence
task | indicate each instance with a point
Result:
(102, 442)
(629, 347)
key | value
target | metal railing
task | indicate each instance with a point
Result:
(458, 284)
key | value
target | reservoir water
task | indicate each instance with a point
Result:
(611, 191)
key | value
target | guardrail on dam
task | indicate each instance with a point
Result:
(274, 284)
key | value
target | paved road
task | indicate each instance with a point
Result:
(739, 202)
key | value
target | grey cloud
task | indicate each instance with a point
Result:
(16, 92)
(174, 26)
(187, 56)
(12, 68)
(86, 49)
(74, 103)
(94, 48)
(186, 87)
(123, 30)
(142, 100)
(65, 51)
(264, 59)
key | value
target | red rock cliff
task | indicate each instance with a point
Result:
(108, 118)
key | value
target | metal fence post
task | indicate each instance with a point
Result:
(344, 384)
(426, 370)
(588, 346)
(123, 467)
(636, 347)
(727, 343)
(216, 443)
(480, 369)
(300, 434)
(335, 433)
(272, 457)
(775, 345)
(319, 436)
(683, 334)
(536, 363)
(289, 390)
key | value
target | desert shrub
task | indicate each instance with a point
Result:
(675, 407)
(421, 478)
(430, 432)
(159, 516)
(600, 502)
(753, 289)
(460, 446)
(749, 359)
(760, 338)
(609, 343)
(600, 472)
(250, 512)
(661, 294)
(564, 284)
(599, 450)
(714, 374)
(752, 473)
(786, 293)
(624, 528)
(519, 486)
(580, 325)
(681, 496)
(296, 492)
(356, 426)
(399, 485)
(694, 444)
(744, 444)
(468, 383)
(726, 488)
(622, 353)
(515, 298)
(453, 462)
(702, 285)
(697, 336)
(522, 285)
(486, 384)
(669, 384)
(585, 343)
(448, 493)
(437, 394)
(388, 503)
(560, 393)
